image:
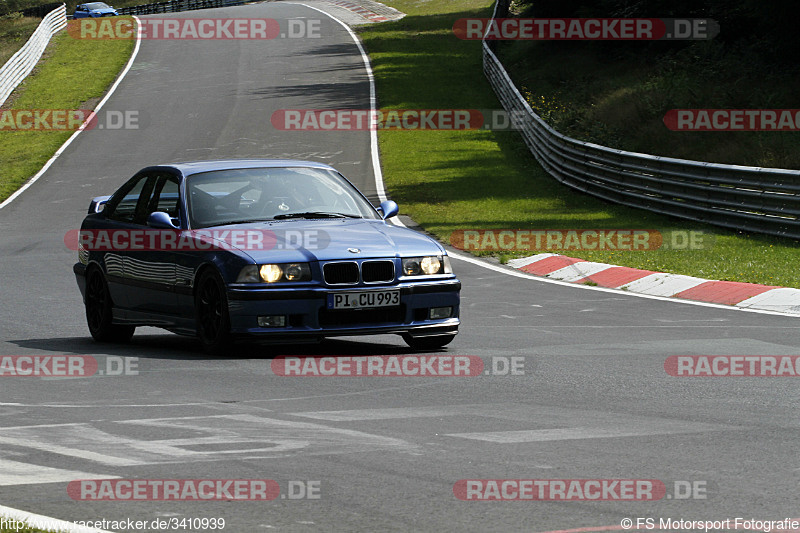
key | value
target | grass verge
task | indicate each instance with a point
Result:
(72, 75)
(477, 179)
(15, 30)
(617, 93)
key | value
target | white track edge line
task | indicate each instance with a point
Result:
(82, 127)
(54, 524)
(381, 189)
(37, 519)
(373, 104)
(618, 292)
(9, 512)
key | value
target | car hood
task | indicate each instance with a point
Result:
(104, 11)
(331, 239)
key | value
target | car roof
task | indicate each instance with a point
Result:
(195, 167)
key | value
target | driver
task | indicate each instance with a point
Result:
(283, 194)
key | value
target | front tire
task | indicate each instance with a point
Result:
(99, 313)
(428, 343)
(213, 320)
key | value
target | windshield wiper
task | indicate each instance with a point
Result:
(232, 222)
(314, 214)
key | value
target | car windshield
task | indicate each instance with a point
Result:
(97, 5)
(237, 196)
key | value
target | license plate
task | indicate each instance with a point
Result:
(363, 300)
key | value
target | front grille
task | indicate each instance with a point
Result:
(377, 271)
(343, 273)
(355, 317)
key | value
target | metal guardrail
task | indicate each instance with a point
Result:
(40, 11)
(754, 199)
(175, 6)
(21, 64)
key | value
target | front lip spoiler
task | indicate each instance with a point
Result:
(426, 330)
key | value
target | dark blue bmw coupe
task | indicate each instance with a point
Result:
(274, 250)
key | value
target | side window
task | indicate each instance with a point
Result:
(123, 205)
(165, 197)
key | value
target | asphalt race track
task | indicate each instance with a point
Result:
(593, 400)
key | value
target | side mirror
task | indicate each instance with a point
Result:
(97, 204)
(160, 220)
(388, 209)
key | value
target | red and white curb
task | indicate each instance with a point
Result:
(743, 295)
(369, 10)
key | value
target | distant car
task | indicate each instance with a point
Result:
(331, 266)
(93, 10)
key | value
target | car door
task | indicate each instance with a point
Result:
(150, 266)
(119, 214)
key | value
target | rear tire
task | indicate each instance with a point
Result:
(99, 312)
(428, 343)
(213, 320)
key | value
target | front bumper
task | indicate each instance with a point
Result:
(307, 313)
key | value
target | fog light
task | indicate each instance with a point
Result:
(272, 321)
(440, 312)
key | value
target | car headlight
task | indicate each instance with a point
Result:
(296, 272)
(427, 266)
(272, 273)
